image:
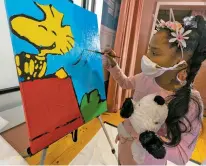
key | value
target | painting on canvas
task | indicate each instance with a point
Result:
(61, 82)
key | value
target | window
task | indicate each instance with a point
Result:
(98, 11)
(78, 2)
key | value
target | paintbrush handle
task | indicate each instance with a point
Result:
(113, 56)
(110, 55)
(102, 53)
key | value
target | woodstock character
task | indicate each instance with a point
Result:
(48, 36)
(146, 117)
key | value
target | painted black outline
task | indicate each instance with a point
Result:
(39, 136)
(80, 58)
(67, 123)
(89, 94)
(62, 51)
(70, 44)
(54, 33)
(68, 49)
(68, 35)
(50, 7)
(43, 27)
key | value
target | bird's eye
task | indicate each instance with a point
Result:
(156, 123)
(54, 45)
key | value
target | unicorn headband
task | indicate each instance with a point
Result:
(177, 31)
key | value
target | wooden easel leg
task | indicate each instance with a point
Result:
(108, 138)
(43, 156)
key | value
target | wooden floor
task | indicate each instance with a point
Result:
(63, 151)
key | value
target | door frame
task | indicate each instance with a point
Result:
(175, 5)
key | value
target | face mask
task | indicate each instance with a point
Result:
(149, 68)
(183, 83)
(182, 80)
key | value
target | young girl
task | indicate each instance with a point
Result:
(168, 69)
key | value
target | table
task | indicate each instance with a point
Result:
(8, 155)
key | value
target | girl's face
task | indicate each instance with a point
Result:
(160, 52)
(163, 55)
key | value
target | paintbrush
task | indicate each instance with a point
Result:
(98, 52)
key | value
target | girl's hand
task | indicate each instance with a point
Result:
(165, 139)
(109, 55)
(117, 139)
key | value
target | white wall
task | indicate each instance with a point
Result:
(11, 109)
(15, 116)
(8, 75)
(10, 100)
(10, 104)
(98, 12)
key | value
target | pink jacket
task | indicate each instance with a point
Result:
(144, 85)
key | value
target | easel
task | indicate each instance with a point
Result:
(44, 151)
(43, 156)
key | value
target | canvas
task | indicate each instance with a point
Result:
(61, 82)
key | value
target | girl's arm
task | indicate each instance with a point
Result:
(124, 81)
(111, 65)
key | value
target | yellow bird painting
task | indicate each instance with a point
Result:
(48, 35)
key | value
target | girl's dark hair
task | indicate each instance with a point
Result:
(177, 121)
